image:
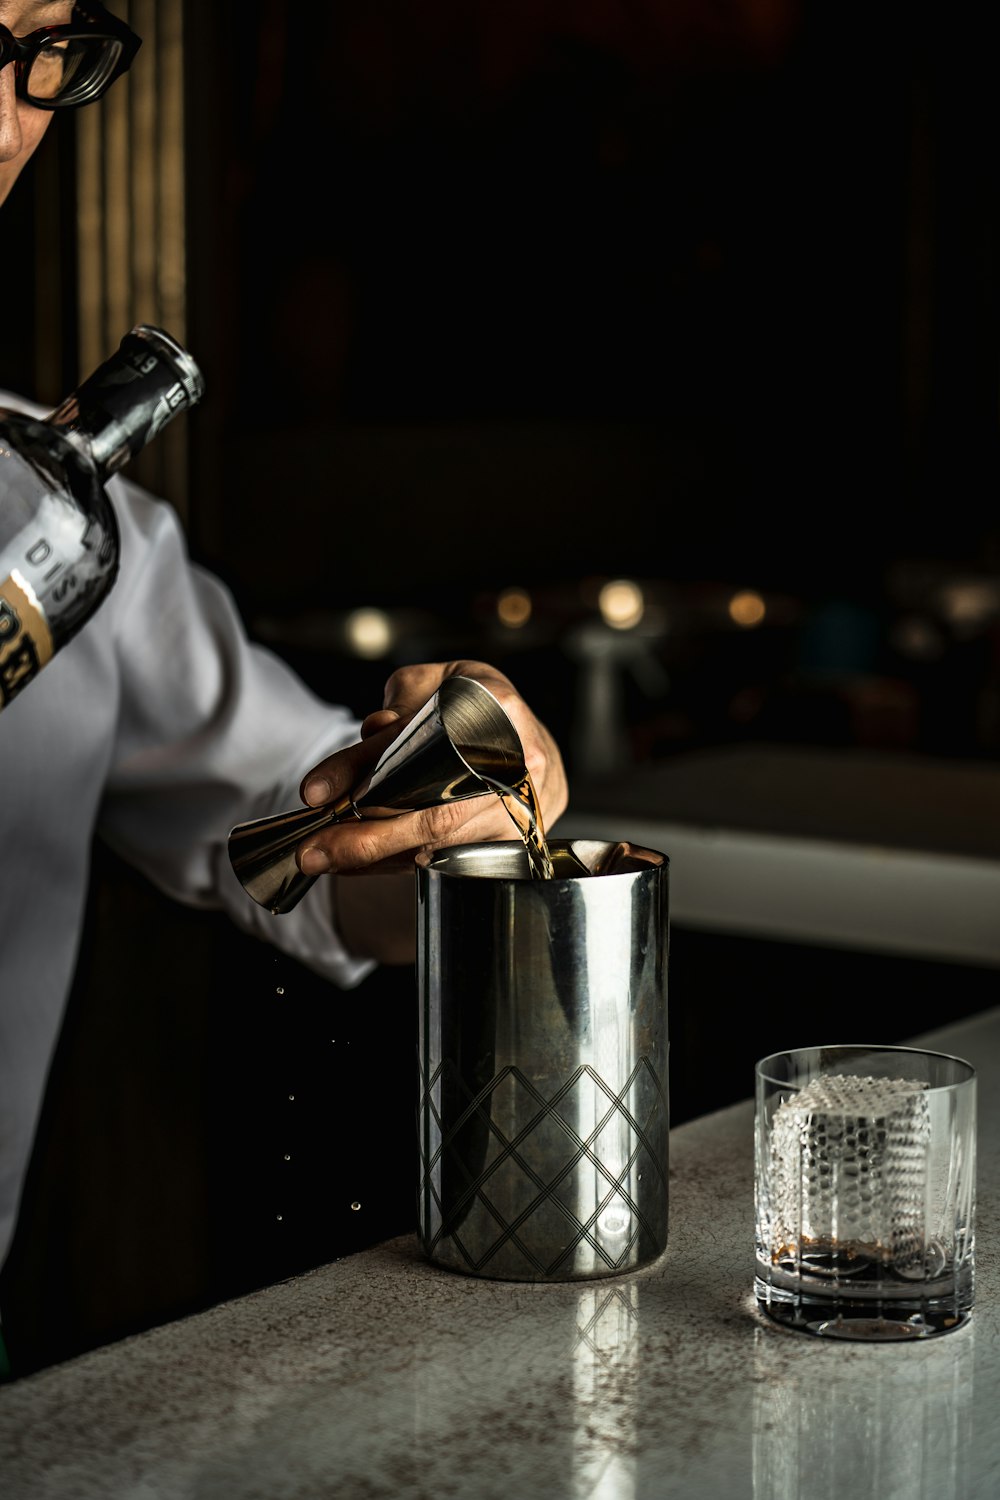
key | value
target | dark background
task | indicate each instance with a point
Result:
(702, 296)
(682, 292)
(538, 294)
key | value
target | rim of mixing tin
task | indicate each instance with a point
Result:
(500, 859)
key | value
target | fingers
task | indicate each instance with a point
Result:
(341, 772)
(374, 844)
(382, 718)
(406, 691)
(408, 688)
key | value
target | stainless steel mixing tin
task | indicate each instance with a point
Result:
(543, 1051)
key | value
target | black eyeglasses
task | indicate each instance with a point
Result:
(58, 67)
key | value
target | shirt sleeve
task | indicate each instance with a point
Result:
(212, 730)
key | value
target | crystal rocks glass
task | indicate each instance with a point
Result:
(865, 1191)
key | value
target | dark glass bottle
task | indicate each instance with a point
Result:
(59, 544)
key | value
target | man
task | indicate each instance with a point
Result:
(161, 751)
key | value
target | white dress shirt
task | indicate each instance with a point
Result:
(159, 726)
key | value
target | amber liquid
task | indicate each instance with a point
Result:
(527, 819)
(521, 801)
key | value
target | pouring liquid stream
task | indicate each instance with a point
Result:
(524, 798)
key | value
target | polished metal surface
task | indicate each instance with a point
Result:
(460, 736)
(543, 1058)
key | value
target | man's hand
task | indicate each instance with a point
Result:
(377, 845)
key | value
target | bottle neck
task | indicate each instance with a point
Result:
(131, 397)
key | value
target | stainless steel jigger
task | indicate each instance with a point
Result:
(460, 736)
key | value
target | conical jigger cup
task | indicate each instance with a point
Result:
(460, 744)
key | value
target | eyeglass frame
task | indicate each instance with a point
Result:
(90, 19)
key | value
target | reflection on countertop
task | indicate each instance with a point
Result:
(381, 1375)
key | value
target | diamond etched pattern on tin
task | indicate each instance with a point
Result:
(518, 1203)
(849, 1162)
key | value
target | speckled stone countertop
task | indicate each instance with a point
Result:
(383, 1376)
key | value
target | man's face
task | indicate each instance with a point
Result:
(21, 125)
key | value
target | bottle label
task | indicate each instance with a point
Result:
(25, 638)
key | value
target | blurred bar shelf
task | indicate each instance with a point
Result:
(877, 851)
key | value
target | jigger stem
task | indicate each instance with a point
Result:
(262, 852)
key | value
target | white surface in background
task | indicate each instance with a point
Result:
(923, 905)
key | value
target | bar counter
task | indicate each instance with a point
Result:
(383, 1375)
(871, 850)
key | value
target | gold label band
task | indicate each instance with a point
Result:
(25, 638)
